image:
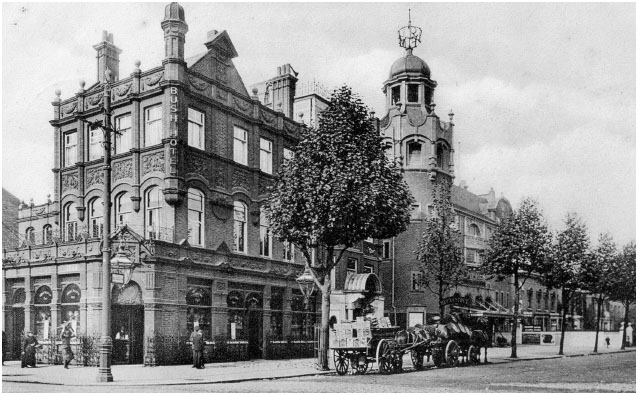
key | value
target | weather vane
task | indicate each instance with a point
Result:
(409, 36)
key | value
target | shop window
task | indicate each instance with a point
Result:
(153, 125)
(239, 229)
(303, 317)
(276, 312)
(29, 235)
(396, 94)
(123, 209)
(42, 311)
(413, 93)
(414, 154)
(124, 136)
(417, 282)
(196, 130)
(265, 236)
(96, 217)
(70, 149)
(265, 155)
(19, 296)
(195, 217)
(70, 222)
(198, 310)
(240, 145)
(71, 306)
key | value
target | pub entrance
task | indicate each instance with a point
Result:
(254, 323)
(127, 324)
(18, 327)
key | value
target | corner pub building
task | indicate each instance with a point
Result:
(191, 164)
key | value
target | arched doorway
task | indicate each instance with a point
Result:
(19, 297)
(127, 324)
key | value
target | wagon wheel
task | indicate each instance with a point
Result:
(417, 359)
(473, 355)
(384, 357)
(452, 353)
(341, 362)
(397, 362)
(437, 356)
(360, 362)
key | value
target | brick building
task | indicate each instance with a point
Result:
(191, 164)
(10, 235)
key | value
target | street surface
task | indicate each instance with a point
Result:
(594, 373)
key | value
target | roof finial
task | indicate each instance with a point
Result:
(409, 36)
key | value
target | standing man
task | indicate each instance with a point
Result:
(197, 341)
(5, 347)
(28, 350)
(67, 353)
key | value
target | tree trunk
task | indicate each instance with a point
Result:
(325, 319)
(441, 306)
(624, 329)
(600, 302)
(517, 302)
(565, 301)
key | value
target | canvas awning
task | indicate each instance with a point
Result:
(363, 283)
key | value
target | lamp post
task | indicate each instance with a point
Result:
(307, 285)
(106, 344)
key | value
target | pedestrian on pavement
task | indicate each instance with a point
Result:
(67, 353)
(201, 360)
(5, 347)
(28, 350)
(197, 343)
(607, 341)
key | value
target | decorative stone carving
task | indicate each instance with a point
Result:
(250, 265)
(152, 80)
(69, 108)
(153, 162)
(69, 181)
(264, 185)
(197, 83)
(240, 179)
(291, 129)
(94, 100)
(221, 94)
(221, 135)
(123, 169)
(219, 177)
(268, 118)
(131, 294)
(94, 177)
(198, 165)
(121, 91)
(241, 105)
(220, 71)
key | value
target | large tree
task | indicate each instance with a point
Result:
(564, 265)
(597, 276)
(518, 248)
(440, 253)
(623, 289)
(337, 190)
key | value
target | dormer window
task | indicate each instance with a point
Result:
(413, 93)
(396, 94)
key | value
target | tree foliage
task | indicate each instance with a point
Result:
(623, 281)
(519, 248)
(337, 190)
(439, 250)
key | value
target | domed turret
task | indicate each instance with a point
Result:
(409, 65)
(174, 11)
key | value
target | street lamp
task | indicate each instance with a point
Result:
(307, 285)
(121, 267)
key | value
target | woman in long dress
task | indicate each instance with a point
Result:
(67, 353)
(28, 350)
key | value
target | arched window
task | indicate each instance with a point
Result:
(474, 230)
(70, 222)
(199, 310)
(239, 230)
(414, 154)
(153, 202)
(42, 311)
(265, 236)
(442, 156)
(30, 235)
(123, 209)
(195, 217)
(71, 305)
(47, 234)
(96, 215)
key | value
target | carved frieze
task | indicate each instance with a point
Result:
(123, 169)
(220, 71)
(198, 165)
(250, 265)
(94, 177)
(69, 181)
(264, 185)
(241, 178)
(242, 105)
(120, 92)
(220, 94)
(152, 80)
(279, 269)
(268, 118)
(291, 129)
(219, 177)
(69, 108)
(93, 101)
(221, 134)
(153, 162)
(198, 84)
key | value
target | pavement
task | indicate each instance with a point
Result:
(230, 372)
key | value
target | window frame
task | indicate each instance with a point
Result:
(194, 195)
(69, 218)
(152, 228)
(240, 157)
(409, 92)
(356, 265)
(416, 278)
(123, 135)
(151, 124)
(237, 236)
(265, 155)
(118, 209)
(265, 236)
(200, 126)
(96, 221)
(412, 160)
(70, 148)
(96, 138)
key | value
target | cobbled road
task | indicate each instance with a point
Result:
(595, 373)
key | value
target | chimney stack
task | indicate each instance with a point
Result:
(108, 57)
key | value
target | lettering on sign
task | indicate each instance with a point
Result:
(174, 117)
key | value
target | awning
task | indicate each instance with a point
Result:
(363, 282)
(487, 309)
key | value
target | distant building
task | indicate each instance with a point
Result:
(10, 235)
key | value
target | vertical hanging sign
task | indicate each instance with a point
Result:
(174, 118)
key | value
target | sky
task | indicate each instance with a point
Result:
(544, 95)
